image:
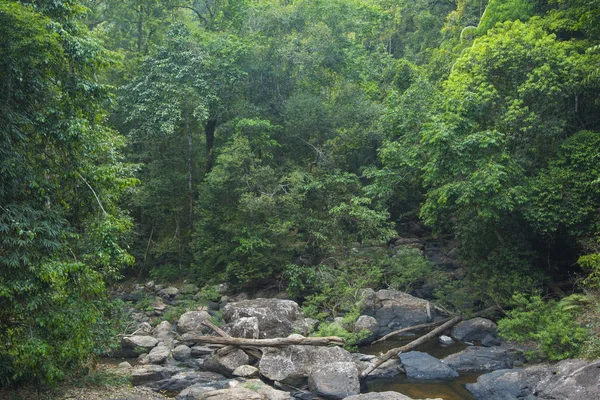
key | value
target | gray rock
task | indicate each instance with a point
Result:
(276, 317)
(181, 352)
(150, 373)
(366, 322)
(473, 329)
(228, 363)
(569, 379)
(245, 327)
(124, 365)
(379, 396)
(395, 310)
(445, 340)
(292, 364)
(191, 322)
(146, 342)
(336, 380)
(484, 359)
(169, 292)
(158, 355)
(419, 365)
(246, 371)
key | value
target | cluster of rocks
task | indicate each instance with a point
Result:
(168, 360)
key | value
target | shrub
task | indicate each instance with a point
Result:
(551, 324)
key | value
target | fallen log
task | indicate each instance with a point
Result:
(391, 353)
(277, 342)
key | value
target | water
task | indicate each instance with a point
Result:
(448, 390)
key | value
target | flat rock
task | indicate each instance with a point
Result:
(422, 366)
(150, 373)
(484, 359)
(292, 364)
(336, 380)
(276, 317)
(569, 379)
(473, 329)
(146, 342)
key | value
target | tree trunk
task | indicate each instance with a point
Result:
(277, 342)
(209, 130)
(190, 168)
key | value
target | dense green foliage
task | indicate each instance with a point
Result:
(61, 177)
(284, 143)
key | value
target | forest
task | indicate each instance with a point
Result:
(287, 143)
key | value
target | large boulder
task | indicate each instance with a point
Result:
(336, 380)
(228, 363)
(569, 379)
(475, 329)
(276, 317)
(395, 310)
(485, 359)
(422, 366)
(293, 364)
(191, 322)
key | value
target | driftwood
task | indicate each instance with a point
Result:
(277, 342)
(417, 342)
(432, 324)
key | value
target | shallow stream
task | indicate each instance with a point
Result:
(448, 390)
